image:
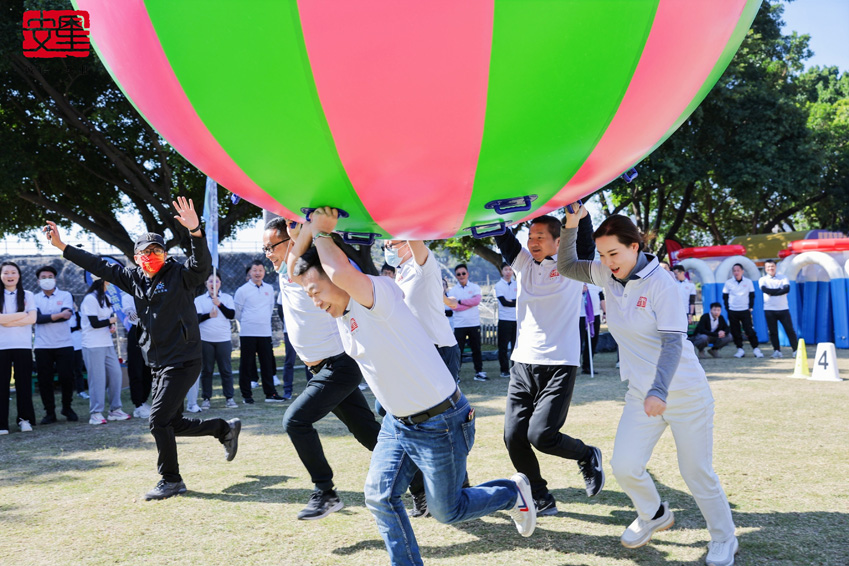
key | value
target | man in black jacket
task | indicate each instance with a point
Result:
(164, 291)
(712, 329)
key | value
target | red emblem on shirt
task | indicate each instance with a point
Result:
(641, 302)
(354, 325)
(554, 274)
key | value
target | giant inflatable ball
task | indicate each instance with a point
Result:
(420, 119)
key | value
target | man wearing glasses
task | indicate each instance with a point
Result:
(169, 336)
(467, 318)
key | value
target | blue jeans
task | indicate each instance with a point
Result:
(438, 447)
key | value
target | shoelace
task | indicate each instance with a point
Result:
(715, 547)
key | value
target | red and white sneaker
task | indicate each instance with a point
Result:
(96, 419)
(118, 415)
(524, 512)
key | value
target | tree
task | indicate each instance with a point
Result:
(75, 150)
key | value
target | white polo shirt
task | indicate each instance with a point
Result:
(312, 332)
(54, 334)
(395, 354)
(685, 291)
(547, 310)
(470, 317)
(508, 291)
(738, 293)
(16, 337)
(215, 329)
(773, 302)
(422, 287)
(254, 307)
(95, 337)
(636, 315)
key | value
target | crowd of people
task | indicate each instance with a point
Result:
(403, 336)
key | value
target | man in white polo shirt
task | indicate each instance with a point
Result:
(775, 291)
(254, 306)
(505, 293)
(687, 292)
(215, 311)
(546, 359)
(333, 379)
(738, 294)
(429, 422)
(467, 317)
(54, 349)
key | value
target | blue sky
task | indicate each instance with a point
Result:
(827, 22)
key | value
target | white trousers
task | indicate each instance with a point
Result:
(689, 413)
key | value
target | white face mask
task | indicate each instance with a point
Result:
(47, 284)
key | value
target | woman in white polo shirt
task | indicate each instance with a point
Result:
(667, 385)
(101, 361)
(17, 315)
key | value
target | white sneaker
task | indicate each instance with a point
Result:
(363, 386)
(524, 512)
(640, 532)
(194, 408)
(277, 381)
(254, 384)
(142, 411)
(83, 394)
(617, 365)
(205, 406)
(740, 353)
(118, 415)
(777, 354)
(25, 426)
(230, 404)
(96, 419)
(4, 431)
(757, 352)
(722, 553)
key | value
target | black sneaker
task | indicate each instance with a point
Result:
(593, 472)
(248, 401)
(546, 505)
(276, 398)
(70, 415)
(48, 419)
(419, 506)
(321, 504)
(165, 489)
(231, 439)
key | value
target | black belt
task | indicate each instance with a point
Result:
(325, 363)
(433, 411)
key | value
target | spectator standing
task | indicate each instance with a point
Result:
(467, 318)
(388, 270)
(712, 329)
(254, 306)
(593, 305)
(505, 293)
(448, 303)
(104, 371)
(138, 372)
(687, 292)
(738, 293)
(215, 311)
(79, 366)
(775, 291)
(17, 316)
(54, 348)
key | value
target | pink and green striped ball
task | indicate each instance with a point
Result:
(411, 115)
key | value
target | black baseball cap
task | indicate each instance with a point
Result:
(145, 240)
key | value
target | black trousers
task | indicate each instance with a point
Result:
(138, 372)
(736, 319)
(538, 399)
(250, 348)
(772, 320)
(473, 333)
(21, 359)
(170, 385)
(701, 341)
(585, 351)
(506, 335)
(48, 362)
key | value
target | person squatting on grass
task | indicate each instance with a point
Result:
(429, 423)
(164, 293)
(666, 383)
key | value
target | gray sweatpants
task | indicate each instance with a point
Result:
(104, 372)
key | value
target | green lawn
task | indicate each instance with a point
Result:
(71, 493)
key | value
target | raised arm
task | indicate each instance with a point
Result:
(334, 261)
(509, 246)
(568, 264)
(199, 262)
(420, 251)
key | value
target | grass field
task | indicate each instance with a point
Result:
(71, 493)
